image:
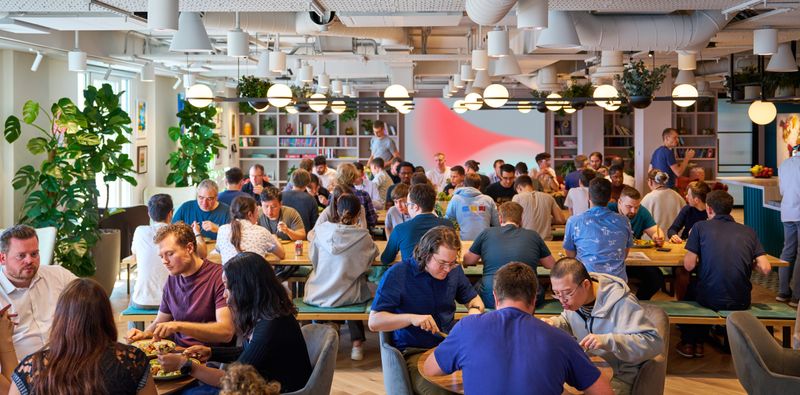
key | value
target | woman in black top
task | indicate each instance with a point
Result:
(82, 355)
(264, 317)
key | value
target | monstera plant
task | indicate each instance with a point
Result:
(75, 146)
(191, 163)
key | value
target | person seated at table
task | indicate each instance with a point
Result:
(642, 223)
(473, 166)
(347, 174)
(615, 175)
(241, 379)
(405, 236)
(405, 171)
(690, 214)
(30, 289)
(257, 182)
(724, 254)
(509, 351)
(572, 179)
(583, 233)
(341, 255)
(363, 183)
(416, 299)
(206, 211)
(497, 246)
(282, 221)
(520, 169)
(602, 313)
(82, 355)
(300, 200)
(318, 192)
(398, 213)
(327, 176)
(618, 161)
(265, 317)
(663, 203)
(330, 214)
(503, 190)
(577, 200)
(244, 234)
(457, 176)
(151, 274)
(546, 175)
(233, 186)
(540, 210)
(380, 179)
(472, 210)
(193, 309)
(306, 164)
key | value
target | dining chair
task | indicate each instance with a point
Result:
(653, 373)
(396, 379)
(322, 342)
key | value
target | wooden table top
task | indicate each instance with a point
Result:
(172, 386)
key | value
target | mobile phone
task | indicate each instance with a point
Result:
(664, 249)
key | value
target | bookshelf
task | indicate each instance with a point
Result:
(563, 137)
(618, 136)
(697, 129)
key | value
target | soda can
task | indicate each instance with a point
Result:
(298, 248)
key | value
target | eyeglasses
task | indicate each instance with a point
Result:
(445, 265)
(565, 296)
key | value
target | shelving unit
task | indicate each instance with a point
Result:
(563, 137)
(697, 127)
(618, 136)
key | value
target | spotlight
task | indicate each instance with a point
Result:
(37, 61)
(107, 75)
(177, 83)
(650, 54)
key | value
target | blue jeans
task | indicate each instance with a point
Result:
(789, 280)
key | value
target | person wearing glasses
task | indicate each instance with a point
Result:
(602, 313)
(416, 299)
(206, 213)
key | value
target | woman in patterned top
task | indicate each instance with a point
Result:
(244, 233)
(82, 355)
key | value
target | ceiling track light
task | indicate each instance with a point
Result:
(37, 61)
(177, 83)
(148, 72)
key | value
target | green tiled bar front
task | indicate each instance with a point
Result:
(766, 222)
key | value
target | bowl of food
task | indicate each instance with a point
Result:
(152, 348)
(158, 373)
(639, 243)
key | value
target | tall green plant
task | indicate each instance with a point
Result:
(77, 145)
(191, 163)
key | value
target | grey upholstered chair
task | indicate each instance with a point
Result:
(395, 375)
(653, 373)
(322, 342)
(762, 365)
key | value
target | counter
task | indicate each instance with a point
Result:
(762, 210)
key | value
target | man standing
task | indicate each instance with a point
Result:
(282, 221)
(416, 299)
(206, 211)
(404, 171)
(327, 176)
(256, 183)
(495, 177)
(457, 176)
(606, 319)
(381, 145)
(405, 236)
(440, 174)
(509, 242)
(472, 210)
(300, 200)
(503, 190)
(540, 210)
(724, 254)
(599, 238)
(572, 180)
(664, 159)
(789, 184)
(509, 351)
(381, 180)
(472, 166)
(31, 290)
(233, 186)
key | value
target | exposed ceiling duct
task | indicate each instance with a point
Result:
(485, 12)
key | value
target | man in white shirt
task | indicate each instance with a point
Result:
(789, 183)
(380, 178)
(32, 290)
(327, 176)
(440, 174)
(362, 183)
(152, 275)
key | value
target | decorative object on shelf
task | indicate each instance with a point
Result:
(330, 126)
(349, 131)
(747, 75)
(248, 129)
(366, 126)
(141, 159)
(190, 164)
(253, 87)
(639, 83)
(81, 144)
(289, 129)
(268, 126)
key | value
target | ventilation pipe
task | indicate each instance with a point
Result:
(611, 64)
(485, 12)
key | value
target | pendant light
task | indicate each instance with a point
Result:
(497, 46)
(481, 79)
(495, 95)
(783, 61)
(191, 35)
(238, 41)
(162, 15)
(762, 112)
(765, 41)
(306, 73)
(394, 95)
(262, 68)
(199, 95)
(336, 87)
(279, 95)
(507, 65)
(277, 58)
(317, 102)
(684, 95)
(560, 32)
(76, 59)
(473, 101)
(466, 73)
(148, 73)
(532, 14)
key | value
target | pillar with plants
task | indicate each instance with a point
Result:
(198, 143)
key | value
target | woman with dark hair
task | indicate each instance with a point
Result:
(341, 255)
(82, 355)
(244, 233)
(331, 213)
(264, 317)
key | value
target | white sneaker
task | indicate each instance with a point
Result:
(357, 353)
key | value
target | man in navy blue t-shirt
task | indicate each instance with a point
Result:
(509, 351)
(405, 236)
(664, 159)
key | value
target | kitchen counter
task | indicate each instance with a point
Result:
(762, 209)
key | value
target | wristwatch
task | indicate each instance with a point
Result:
(186, 368)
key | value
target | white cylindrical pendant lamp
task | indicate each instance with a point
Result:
(480, 59)
(76, 60)
(277, 61)
(457, 82)
(324, 81)
(238, 43)
(336, 87)
(687, 60)
(498, 44)
(765, 41)
(262, 69)
(162, 15)
(148, 72)
(466, 73)
(532, 14)
(306, 73)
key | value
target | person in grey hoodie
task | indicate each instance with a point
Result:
(473, 210)
(606, 319)
(341, 255)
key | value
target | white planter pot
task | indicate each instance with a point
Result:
(752, 92)
(106, 258)
(784, 92)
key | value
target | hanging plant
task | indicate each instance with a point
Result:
(191, 163)
(541, 95)
(579, 92)
(253, 87)
(638, 82)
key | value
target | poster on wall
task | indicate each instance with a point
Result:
(141, 159)
(141, 119)
(788, 131)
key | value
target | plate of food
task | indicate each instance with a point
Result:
(159, 374)
(152, 348)
(639, 243)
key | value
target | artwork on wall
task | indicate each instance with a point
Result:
(141, 119)
(788, 131)
(141, 159)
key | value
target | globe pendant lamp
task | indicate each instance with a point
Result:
(191, 35)
(317, 102)
(338, 106)
(199, 95)
(762, 112)
(554, 105)
(524, 107)
(473, 101)
(279, 95)
(684, 95)
(495, 95)
(459, 106)
(394, 95)
(602, 95)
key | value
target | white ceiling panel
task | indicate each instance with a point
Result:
(99, 23)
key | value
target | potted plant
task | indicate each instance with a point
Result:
(540, 96)
(191, 163)
(747, 77)
(252, 87)
(348, 115)
(366, 126)
(781, 84)
(580, 93)
(268, 126)
(639, 83)
(330, 126)
(76, 145)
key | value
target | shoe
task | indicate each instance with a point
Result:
(685, 350)
(793, 303)
(357, 353)
(782, 299)
(698, 350)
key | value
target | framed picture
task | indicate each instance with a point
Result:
(788, 135)
(141, 119)
(141, 159)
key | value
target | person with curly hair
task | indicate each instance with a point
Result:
(241, 379)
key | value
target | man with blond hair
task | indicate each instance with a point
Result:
(440, 174)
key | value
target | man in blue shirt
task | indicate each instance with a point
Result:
(233, 186)
(642, 222)
(206, 212)
(691, 213)
(599, 238)
(404, 237)
(724, 254)
(416, 299)
(572, 180)
(257, 182)
(509, 351)
(496, 246)
(664, 159)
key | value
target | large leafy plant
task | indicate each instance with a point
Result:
(191, 163)
(638, 80)
(76, 146)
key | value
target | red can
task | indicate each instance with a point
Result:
(298, 248)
